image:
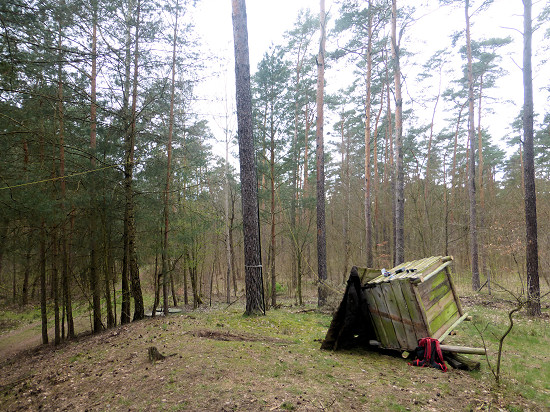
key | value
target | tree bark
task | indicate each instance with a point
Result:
(321, 226)
(249, 187)
(531, 249)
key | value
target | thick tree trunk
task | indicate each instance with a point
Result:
(249, 187)
(472, 162)
(321, 226)
(532, 261)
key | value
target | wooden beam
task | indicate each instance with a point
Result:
(462, 349)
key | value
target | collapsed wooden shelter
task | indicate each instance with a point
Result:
(395, 309)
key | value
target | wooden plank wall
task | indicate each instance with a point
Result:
(407, 307)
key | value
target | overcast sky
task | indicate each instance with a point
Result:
(268, 20)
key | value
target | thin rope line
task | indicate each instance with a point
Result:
(61, 177)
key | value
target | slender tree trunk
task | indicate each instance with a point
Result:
(429, 154)
(231, 244)
(249, 187)
(345, 179)
(55, 289)
(125, 307)
(389, 169)
(532, 261)
(321, 227)
(169, 172)
(43, 297)
(185, 290)
(481, 211)
(95, 284)
(4, 223)
(400, 176)
(272, 242)
(453, 169)
(376, 192)
(472, 162)
(227, 221)
(139, 310)
(368, 177)
(26, 274)
(111, 320)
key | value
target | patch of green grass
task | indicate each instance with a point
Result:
(13, 317)
(525, 353)
(75, 358)
(287, 406)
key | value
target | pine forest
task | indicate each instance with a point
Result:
(120, 196)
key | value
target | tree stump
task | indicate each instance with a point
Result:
(154, 354)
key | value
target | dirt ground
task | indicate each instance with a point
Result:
(223, 362)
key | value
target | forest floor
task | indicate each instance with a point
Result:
(218, 360)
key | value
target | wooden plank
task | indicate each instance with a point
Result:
(427, 263)
(431, 298)
(436, 309)
(375, 316)
(453, 326)
(421, 309)
(424, 265)
(429, 273)
(444, 317)
(367, 274)
(395, 315)
(419, 325)
(433, 289)
(386, 323)
(455, 293)
(412, 341)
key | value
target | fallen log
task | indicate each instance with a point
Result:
(461, 362)
(462, 349)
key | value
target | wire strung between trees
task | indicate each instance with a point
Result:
(53, 179)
